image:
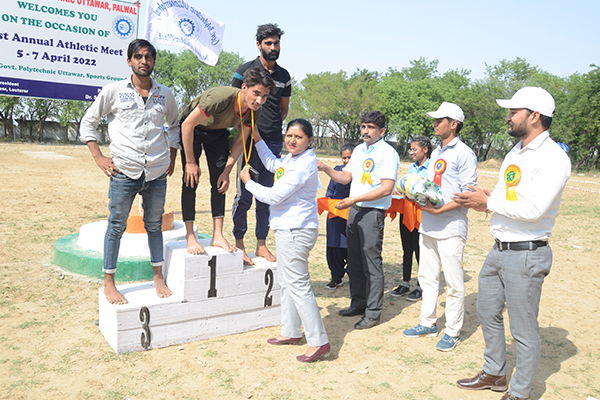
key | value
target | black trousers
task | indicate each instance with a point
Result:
(337, 259)
(365, 265)
(410, 246)
(216, 146)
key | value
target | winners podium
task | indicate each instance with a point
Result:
(214, 294)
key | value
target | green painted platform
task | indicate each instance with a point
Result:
(69, 256)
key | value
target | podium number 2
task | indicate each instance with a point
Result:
(269, 282)
(145, 320)
(212, 263)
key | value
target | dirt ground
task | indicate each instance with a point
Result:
(50, 347)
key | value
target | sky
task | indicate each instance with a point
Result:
(560, 37)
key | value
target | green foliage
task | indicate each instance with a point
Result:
(334, 101)
(189, 77)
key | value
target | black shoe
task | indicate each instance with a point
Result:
(333, 284)
(415, 295)
(400, 291)
(366, 323)
(351, 311)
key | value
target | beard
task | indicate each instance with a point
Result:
(272, 56)
(145, 73)
(517, 132)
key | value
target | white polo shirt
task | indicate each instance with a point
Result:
(368, 166)
(292, 199)
(526, 199)
(453, 167)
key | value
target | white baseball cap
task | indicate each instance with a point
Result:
(449, 110)
(532, 98)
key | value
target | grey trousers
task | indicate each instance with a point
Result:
(513, 278)
(365, 266)
(298, 304)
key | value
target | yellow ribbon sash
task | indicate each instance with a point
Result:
(368, 167)
(278, 174)
(512, 177)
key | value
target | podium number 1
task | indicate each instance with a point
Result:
(212, 263)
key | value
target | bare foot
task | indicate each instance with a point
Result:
(193, 246)
(247, 259)
(162, 290)
(222, 243)
(110, 291)
(264, 252)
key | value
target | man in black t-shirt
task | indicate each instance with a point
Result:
(274, 111)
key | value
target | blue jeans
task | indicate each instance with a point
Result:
(121, 193)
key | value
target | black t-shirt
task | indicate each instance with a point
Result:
(269, 123)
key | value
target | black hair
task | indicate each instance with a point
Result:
(424, 142)
(268, 30)
(304, 125)
(347, 146)
(545, 120)
(376, 117)
(459, 124)
(258, 76)
(137, 44)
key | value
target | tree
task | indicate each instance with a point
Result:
(70, 113)
(9, 106)
(579, 122)
(189, 77)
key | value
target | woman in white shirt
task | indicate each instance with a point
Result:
(293, 210)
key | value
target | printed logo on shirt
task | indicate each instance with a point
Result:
(512, 177)
(278, 174)
(159, 99)
(438, 168)
(368, 167)
(126, 97)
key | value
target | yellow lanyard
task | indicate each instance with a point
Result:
(247, 152)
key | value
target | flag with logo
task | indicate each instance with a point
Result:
(176, 23)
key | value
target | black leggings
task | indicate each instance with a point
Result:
(216, 146)
(410, 245)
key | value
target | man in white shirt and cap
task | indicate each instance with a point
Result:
(524, 205)
(443, 230)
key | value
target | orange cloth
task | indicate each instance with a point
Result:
(327, 204)
(411, 212)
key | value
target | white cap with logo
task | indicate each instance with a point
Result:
(532, 98)
(448, 110)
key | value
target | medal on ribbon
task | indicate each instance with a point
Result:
(439, 167)
(278, 174)
(368, 167)
(512, 177)
(247, 149)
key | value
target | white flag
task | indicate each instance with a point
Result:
(176, 23)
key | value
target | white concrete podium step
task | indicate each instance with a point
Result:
(213, 295)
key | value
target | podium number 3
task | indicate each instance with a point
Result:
(145, 320)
